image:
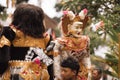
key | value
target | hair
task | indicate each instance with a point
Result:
(29, 19)
(98, 70)
(71, 63)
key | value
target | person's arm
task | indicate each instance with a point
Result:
(4, 58)
(6, 37)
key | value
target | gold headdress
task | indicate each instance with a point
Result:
(69, 18)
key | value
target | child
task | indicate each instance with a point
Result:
(69, 68)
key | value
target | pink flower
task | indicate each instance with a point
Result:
(70, 14)
(83, 13)
(65, 12)
(37, 61)
(99, 25)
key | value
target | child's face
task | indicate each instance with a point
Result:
(75, 29)
(67, 73)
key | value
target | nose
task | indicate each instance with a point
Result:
(62, 73)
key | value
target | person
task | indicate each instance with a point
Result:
(97, 74)
(23, 44)
(73, 42)
(69, 68)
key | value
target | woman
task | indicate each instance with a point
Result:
(22, 44)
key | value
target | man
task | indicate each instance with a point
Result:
(69, 69)
(97, 74)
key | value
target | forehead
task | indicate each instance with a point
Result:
(65, 68)
(77, 23)
(95, 71)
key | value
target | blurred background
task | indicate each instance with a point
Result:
(103, 28)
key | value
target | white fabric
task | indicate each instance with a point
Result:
(47, 60)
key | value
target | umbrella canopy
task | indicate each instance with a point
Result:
(49, 22)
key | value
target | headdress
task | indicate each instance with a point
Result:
(69, 18)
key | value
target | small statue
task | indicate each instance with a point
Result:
(73, 42)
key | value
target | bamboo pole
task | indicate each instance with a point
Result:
(119, 58)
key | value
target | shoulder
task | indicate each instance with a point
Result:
(6, 36)
(8, 33)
